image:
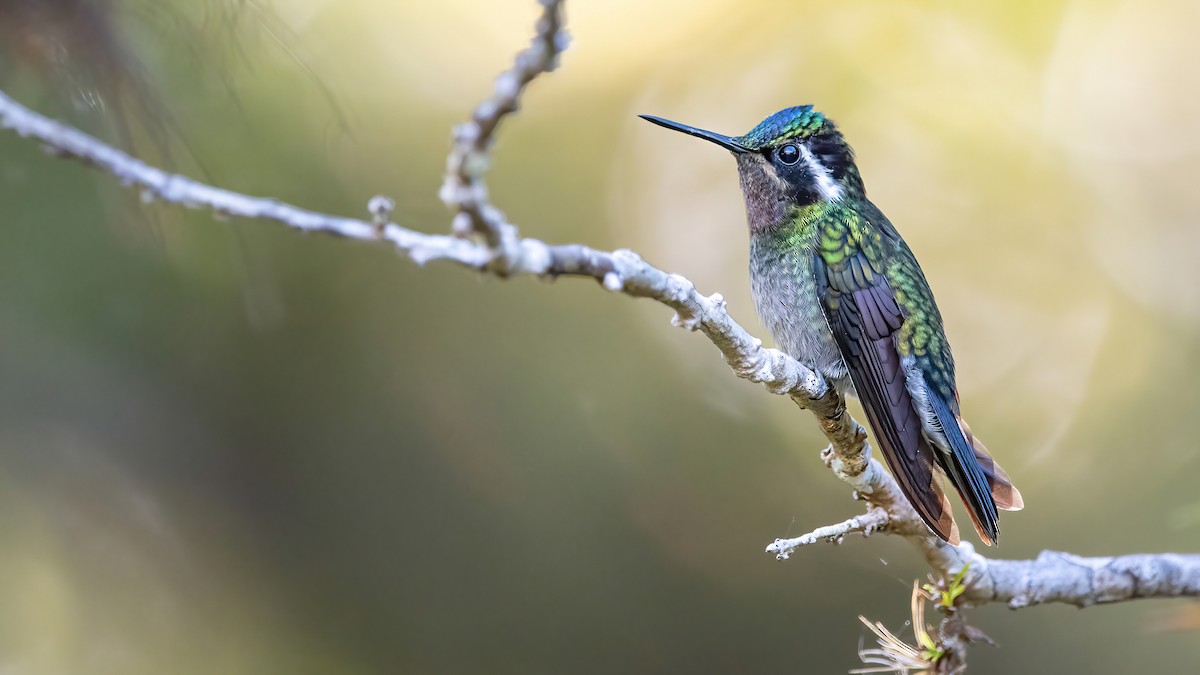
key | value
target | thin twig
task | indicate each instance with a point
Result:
(464, 189)
(875, 520)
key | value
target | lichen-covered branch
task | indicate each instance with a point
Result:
(870, 522)
(1052, 577)
(482, 239)
(619, 271)
(1076, 580)
(463, 188)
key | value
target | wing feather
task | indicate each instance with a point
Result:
(918, 428)
(863, 321)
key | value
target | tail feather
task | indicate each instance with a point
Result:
(1004, 493)
(961, 465)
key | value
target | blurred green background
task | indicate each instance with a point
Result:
(229, 448)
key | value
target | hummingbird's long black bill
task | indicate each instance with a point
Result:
(724, 141)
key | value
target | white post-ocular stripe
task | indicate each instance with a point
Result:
(829, 188)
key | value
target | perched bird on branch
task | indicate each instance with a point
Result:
(840, 291)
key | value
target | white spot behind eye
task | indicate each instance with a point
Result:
(829, 188)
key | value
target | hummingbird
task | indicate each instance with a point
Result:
(840, 291)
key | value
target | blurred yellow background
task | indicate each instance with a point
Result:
(229, 448)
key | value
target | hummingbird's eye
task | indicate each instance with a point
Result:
(789, 154)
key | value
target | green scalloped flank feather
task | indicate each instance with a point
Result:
(855, 236)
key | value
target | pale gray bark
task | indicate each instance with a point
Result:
(1067, 578)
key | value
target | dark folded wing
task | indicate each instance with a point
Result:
(864, 317)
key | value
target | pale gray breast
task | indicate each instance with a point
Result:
(783, 282)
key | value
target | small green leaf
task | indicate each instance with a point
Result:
(962, 574)
(957, 588)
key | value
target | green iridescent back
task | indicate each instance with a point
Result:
(857, 244)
